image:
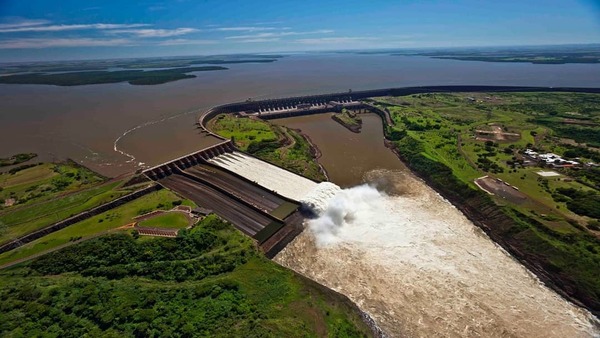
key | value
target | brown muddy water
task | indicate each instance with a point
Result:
(87, 123)
(409, 258)
(346, 156)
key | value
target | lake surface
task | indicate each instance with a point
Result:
(83, 122)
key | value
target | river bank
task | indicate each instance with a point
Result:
(483, 212)
(296, 254)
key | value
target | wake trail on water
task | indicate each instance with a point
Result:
(419, 268)
(145, 124)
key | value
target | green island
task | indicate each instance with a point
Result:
(279, 145)
(134, 77)
(523, 166)
(134, 63)
(209, 281)
(549, 55)
(17, 159)
(348, 119)
(535, 59)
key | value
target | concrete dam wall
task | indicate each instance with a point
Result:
(273, 178)
(314, 101)
(260, 212)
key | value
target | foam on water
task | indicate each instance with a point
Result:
(319, 197)
(421, 269)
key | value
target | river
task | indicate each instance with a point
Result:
(87, 123)
(409, 258)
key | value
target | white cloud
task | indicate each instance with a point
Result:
(279, 34)
(154, 33)
(66, 42)
(23, 23)
(335, 40)
(244, 29)
(180, 42)
(58, 28)
(259, 40)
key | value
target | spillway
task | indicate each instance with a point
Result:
(271, 177)
(420, 268)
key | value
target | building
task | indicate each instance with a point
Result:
(550, 159)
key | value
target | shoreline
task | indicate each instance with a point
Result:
(314, 151)
(353, 128)
(480, 218)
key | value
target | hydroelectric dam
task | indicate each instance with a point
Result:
(211, 178)
(264, 201)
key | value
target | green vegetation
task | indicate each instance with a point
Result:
(209, 281)
(585, 203)
(173, 220)
(44, 194)
(348, 119)
(134, 77)
(546, 55)
(536, 59)
(96, 225)
(437, 136)
(87, 65)
(276, 144)
(16, 159)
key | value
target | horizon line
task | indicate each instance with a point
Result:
(292, 52)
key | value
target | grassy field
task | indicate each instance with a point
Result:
(348, 119)
(44, 181)
(47, 193)
(172, 220)
(209, 282)
(447, 126)
(106, 221)
(17, 159)
(276, 144)
(243, 131)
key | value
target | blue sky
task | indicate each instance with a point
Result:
(66, 29)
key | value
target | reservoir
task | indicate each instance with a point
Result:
(150, 124)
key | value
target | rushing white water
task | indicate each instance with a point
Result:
(318, 198)
(265, 174)
(421, 269)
